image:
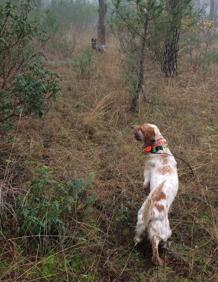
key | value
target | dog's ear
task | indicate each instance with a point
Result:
(138, 133)
(149, 136)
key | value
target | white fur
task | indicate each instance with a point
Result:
(156, 221)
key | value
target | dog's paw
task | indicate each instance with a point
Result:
(156, 260)
(137, 240)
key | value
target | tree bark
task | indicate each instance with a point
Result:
(212, 10)
(170, 55)
(171, 48)
(197, 4)
(101, 38)
(215, 10)
(140, 85)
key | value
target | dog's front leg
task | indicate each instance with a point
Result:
(146, 183)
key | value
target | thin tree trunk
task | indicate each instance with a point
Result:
(212, 10)
(101, 38)
(140, 86)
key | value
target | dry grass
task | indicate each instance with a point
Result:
(88, 130)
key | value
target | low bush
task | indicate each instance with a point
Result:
(84, 63)
(48, 203)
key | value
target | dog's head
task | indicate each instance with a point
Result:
(147, 133)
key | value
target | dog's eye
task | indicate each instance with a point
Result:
(137, 136)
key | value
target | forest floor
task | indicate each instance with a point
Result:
(88, 130)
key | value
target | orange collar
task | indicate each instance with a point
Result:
(160, 145)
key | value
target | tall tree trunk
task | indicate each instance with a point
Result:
(197, 4)
(101, 38)
(171, 46)
(170, 55)
(213, 10)
(212, 7)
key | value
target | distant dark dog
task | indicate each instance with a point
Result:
(96, 46)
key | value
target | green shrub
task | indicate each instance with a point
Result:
(205, 60)
(25, 85)
(48, 22)
(84, 62)
(49, 203)
(200, 45)
(123, 215)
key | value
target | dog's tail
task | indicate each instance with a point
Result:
(150, 202)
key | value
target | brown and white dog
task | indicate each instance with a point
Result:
(160, 175)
